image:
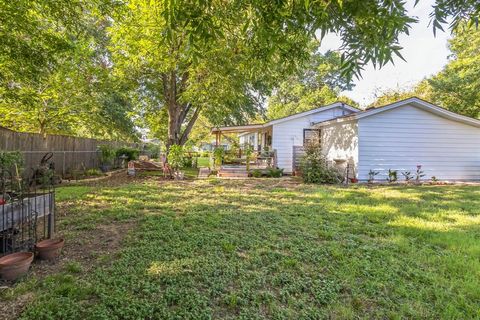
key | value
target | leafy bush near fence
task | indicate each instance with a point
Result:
(8, 159)
(131, 153)
(107, 154)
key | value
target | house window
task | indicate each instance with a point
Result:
(311, 136)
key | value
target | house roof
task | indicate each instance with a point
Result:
(415, 101)
(253, 127)
(237, 129)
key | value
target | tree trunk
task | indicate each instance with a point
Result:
(177, 112)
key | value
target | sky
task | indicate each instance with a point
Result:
(425, 54)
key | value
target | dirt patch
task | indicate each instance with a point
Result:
(85, 249)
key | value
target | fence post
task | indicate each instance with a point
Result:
(63, 165)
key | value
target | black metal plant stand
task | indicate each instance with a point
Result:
(27, 209)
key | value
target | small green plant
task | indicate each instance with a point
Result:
(175, 156)
(434, 179)
(257, 173)
(248, 155)
(408, 176)
(93, 172)
(73, 267)
(392, 175)
(419, 174)
(218, 155)
(275, 172)
(371, 175)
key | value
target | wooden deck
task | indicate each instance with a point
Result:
(237, 171)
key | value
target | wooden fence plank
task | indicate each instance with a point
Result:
(69, 153)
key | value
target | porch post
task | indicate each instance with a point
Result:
(217, 138)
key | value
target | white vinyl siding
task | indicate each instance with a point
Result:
(404, 137)
(340, 141)
(289, 133)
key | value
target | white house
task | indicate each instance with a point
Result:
(398, 136)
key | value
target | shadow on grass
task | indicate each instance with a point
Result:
(262, 249)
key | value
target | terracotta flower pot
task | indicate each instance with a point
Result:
(49, 249)
(15, 265)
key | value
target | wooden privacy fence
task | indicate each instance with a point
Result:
(69, 153)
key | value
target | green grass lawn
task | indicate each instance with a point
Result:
(203, 162)
(265, 248)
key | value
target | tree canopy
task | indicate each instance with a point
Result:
(101, 68)
(222, 58)
(318, 82)
(457, 86)
(56, 74)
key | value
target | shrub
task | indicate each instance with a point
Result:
(256, 173)
(131, 153)
(315, 168)
(175, 156)
(218, 154)
(153, 150)
(392, 175)
(10, 159)
(188, 162)
(275, 172)
(107, 154)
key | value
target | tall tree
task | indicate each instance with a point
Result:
(220, 57)
(318, 82)
(55, 71)
(421, 90)
(457, 86)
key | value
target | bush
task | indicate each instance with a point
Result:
(175, 156)
(131, 153)
(187, 162)
(256, 173)
(107, 154)
(275, 172)
(315, 168)
(9, 159)
(153, 150)
(392, 175)
(218, 154)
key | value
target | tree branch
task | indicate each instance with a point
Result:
(189, 127)
(184, 112)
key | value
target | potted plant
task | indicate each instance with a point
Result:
(107, 154)
(15, 265)
(49, 249)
